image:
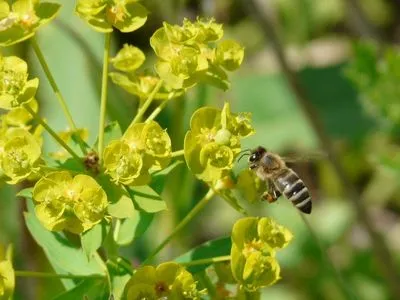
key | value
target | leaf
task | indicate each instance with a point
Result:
(210, 249)
(63, 255)
(132, 228)
(122, 209)
(25, 193)
(158, 178)
(112, 132)
(86, 289)
(147, 199)
(92, 239)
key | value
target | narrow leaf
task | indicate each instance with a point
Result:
(133, 227)
(147, 199)
(92, 239)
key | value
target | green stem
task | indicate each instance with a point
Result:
(103, 103)
(178, 153)
(53, 83)
(199, 206)
(51, 132)
(52, 275)
(206, 261)
(207, 283)
(341, 283)
(147, 103)
(159, 108)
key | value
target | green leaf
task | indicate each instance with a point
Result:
(92, 239)
(210, 249)
(158, 178)
(63, 255)
(147, 199)
(123, 208)
(86, 289)
(26, 193)
(112, 132)
(133, 227)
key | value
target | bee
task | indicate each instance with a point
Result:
(270, 167)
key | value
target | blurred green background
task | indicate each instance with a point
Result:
(353, 86)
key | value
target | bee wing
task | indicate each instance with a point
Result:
(305, 157)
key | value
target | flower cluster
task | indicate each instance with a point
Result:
(168, 281)
(20, 21)
(64, 202)
(143, 147)
(103, 15)
(254, 244)
(127, 61)
(20, 154)
(192, 53)
(7, 277)
(15, 88)
(213, 141)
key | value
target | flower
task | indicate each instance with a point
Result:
(143, 147)
(64, 202)
(20, 21)
(7, 275)
(15, 88)
(213, 142)
(187, 54)
(254, 243)
(168, 281)
(103, 15)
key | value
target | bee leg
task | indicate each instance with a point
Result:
(272, 194)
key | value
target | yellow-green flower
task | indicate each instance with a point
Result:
(15, 88)
(19, 116)
(20, 21)
(20, 154)
(191, 53)
(64, 202)
(250, 186)
(128, 59)
(213, 142)
(143, 147)
(7, 276)
(103, 15)
(254, 242)
(168, 281)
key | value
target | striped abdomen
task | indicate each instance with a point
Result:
(294, 189)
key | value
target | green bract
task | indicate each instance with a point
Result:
(20, 21)
(128, 59)
(213, 142)
(254, 241)
(187, 54)
(103, 15)
(168, 281)
(250, 185)
(7, 276)
(63, 202)
(19, 116)
(15, 88)
(20, 154)
(143, 146)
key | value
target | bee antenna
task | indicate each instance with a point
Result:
(244, 154)
(245, 150)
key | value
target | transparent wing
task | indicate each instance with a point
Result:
(315, 156)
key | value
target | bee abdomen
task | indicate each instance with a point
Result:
(294, 189)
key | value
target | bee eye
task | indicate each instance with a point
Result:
(253, 158)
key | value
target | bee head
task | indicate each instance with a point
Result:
(256, 156)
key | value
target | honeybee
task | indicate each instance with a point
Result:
(270, 167)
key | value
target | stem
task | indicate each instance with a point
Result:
(339, 278)
(52, 275)
(207, 283)
(178, 153)
(199, 206)
(51, 132)
(206, 261)
(147, 103)
(382, 253)
(159, 108)
(53, 83)
(103, 103)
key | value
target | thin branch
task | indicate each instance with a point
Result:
(382, 253)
